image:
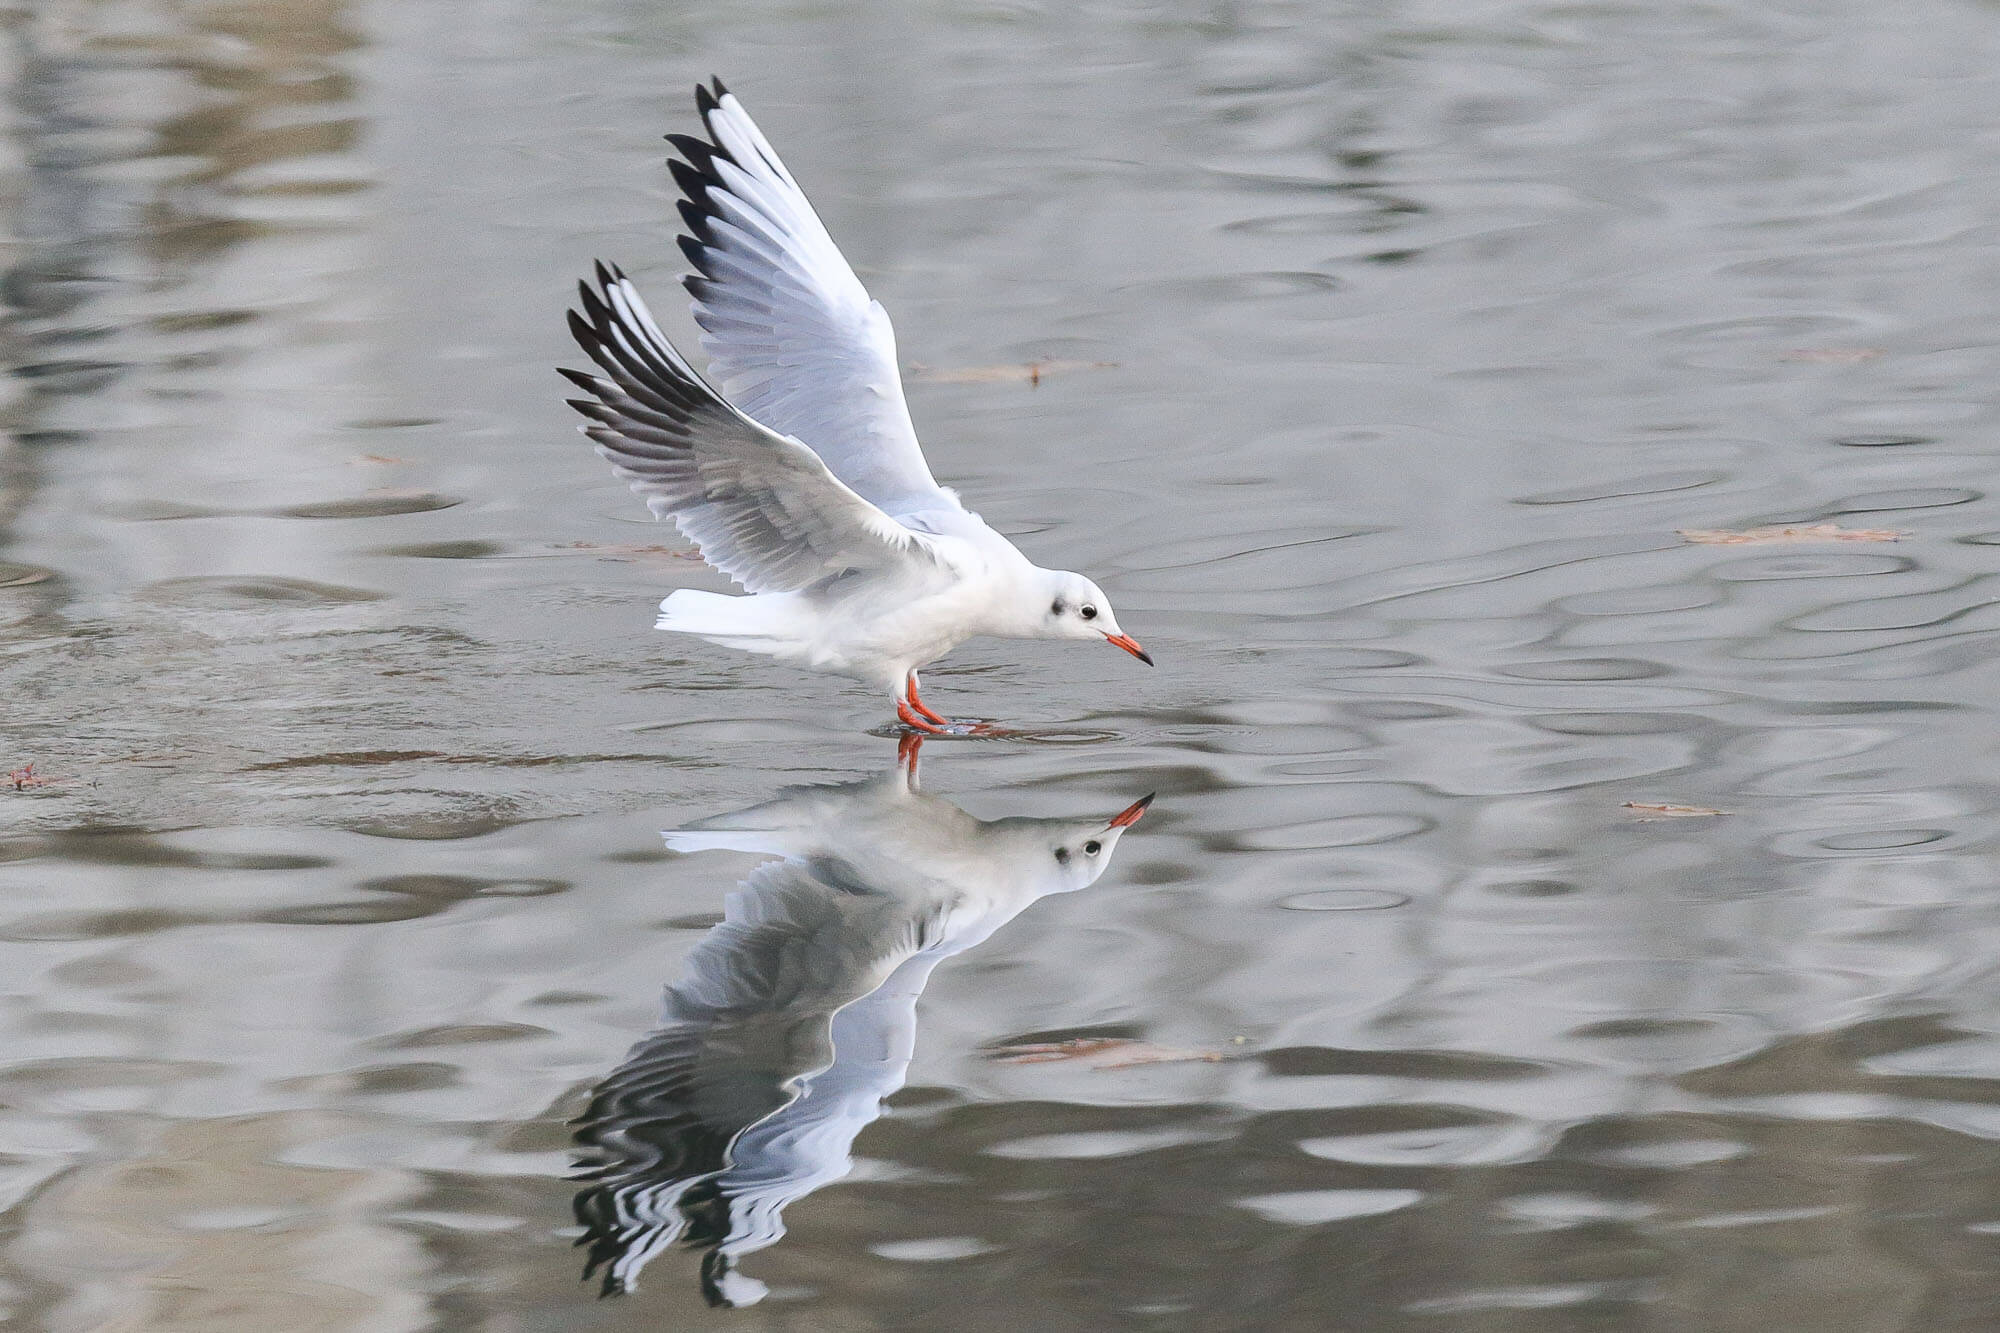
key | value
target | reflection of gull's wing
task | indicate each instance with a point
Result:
(793, 338)
(761, 506)
(743, 1038)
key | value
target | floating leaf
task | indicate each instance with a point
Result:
(1651, 810)
(28, 778)
(1103, 1053)
(1818, 532)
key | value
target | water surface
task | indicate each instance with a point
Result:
(1387, 349)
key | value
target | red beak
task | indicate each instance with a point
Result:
(1130, 645)
(1129, 816)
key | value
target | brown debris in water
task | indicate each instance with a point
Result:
(28, 778)
(1122, 1053)
(1650, 810)
(1817, 532)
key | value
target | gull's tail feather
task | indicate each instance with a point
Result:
(765, 623)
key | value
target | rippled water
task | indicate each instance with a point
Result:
(1387, 349)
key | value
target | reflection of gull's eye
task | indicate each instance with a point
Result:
(1092, 848)
(1062, 856)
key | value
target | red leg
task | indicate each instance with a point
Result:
(915, 723)
(910, 692)
(908, 750)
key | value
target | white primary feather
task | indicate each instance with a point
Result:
(793, 337)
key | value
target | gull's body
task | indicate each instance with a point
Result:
(798, 473)
(797, 1016)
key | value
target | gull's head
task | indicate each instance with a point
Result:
(1072, 607)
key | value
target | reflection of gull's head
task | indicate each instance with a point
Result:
(1058, 855)
(797, 1014)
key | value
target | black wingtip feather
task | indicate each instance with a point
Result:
(697, 222)
(704, 100)
(693, 184)
(720, 91)
(696, 252)
(699, 152)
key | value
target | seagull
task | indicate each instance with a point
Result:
(797, 471)
(797, 1015)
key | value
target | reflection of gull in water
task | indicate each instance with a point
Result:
(798, 1012)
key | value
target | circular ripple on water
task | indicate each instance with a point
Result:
(1344, 900)
(1664, 597)
(1229, 287)
(1810, 565)
(459, 550)
(384, 504)
(1916, 497)
(1343, 831)
(1881, 441)
(1616, 724)
(1534, 888)
(230, 592)
(1658, 483)
(1814, 844)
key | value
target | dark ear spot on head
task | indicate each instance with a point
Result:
(1062, 856)
(1057, 609)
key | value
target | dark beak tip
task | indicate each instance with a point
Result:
(1129, 816)
(1145, 657)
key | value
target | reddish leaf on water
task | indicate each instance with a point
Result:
(1649, 810)
(1103, 1053)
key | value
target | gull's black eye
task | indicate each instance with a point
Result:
(1057, 609)
(1062, 856)
(1088, 613)
(1093, 847)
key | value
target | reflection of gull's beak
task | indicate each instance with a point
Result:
(1129, 816)
(1130, 645)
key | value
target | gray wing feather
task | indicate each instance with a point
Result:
(763, 508)
(793, 337)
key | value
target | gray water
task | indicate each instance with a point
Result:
(1387, 346)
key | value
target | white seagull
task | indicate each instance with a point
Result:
(800, 477)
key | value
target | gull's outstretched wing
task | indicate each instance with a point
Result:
(792, 336)
(761, 506)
